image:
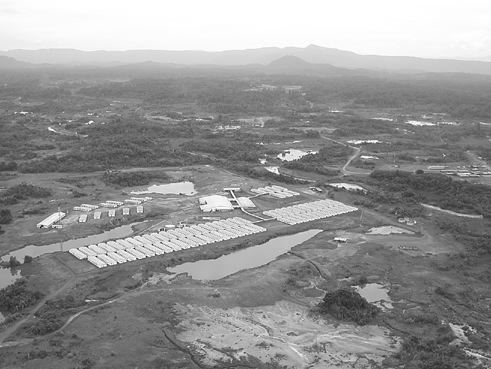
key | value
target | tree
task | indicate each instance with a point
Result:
(13, 262)
(5, 216)
(27, 259)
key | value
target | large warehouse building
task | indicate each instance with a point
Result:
(52, 219)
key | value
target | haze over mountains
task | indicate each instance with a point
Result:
(311, 58)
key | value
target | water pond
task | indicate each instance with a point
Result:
(275, 170)
(35, 250)
(377, 294)
(178, 188)
(251, 257)
(294, 154)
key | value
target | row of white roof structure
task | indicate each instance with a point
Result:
(307, 212)
(147, 245)
(276, 191)
(111, 213)
(112, 204)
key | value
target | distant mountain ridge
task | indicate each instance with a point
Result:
(8, 62)
(262, 56)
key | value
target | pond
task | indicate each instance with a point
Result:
(294, 154)
(35, 250)
(251, 257)
(8, 276)
(275, 170)
(178, 188)
(377, 294)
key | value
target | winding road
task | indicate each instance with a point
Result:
(356, 153)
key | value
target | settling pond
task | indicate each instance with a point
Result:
(294, 154)
(377, 294)
(251, 257)
(178, 188)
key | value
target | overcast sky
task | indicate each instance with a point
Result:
(428, 28)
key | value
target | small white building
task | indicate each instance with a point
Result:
(52, 219)
(437, 167)
(340, 239)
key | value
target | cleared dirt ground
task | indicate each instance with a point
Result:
(262, 318)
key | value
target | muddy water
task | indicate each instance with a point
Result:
(178, 188)
(377, 294)
(8, 276)
(34, 250)
(293, 154)
(251, 257)
(275, 170)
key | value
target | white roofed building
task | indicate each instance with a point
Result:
(52, 219)
(215, 203)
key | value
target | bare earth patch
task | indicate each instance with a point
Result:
(283, 333)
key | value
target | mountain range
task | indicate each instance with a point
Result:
(311, 58)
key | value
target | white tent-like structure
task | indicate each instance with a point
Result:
(215, 203)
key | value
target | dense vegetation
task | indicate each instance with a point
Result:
(23, 191)
(398, 187)
(347, 304)
(434, 352)
(128, 179)
(467, 234)
(357, 127)
(229, 149)
(460, 95)
(5, 216)
(17, 297)
(119, 144)
(316, 163)
(5, 166)
(222, 95)
(50, 316)
(311, 167)
(251, 170)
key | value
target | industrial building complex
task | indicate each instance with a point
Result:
(174, 239)
(158, 243)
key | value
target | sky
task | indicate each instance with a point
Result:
(429, 28)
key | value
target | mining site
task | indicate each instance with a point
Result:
(257, 208)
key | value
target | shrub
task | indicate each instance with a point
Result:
(17, 297)
(27, 259)
(5, 216)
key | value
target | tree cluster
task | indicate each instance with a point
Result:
(17, 296)
(347, 304)
(23, 191)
